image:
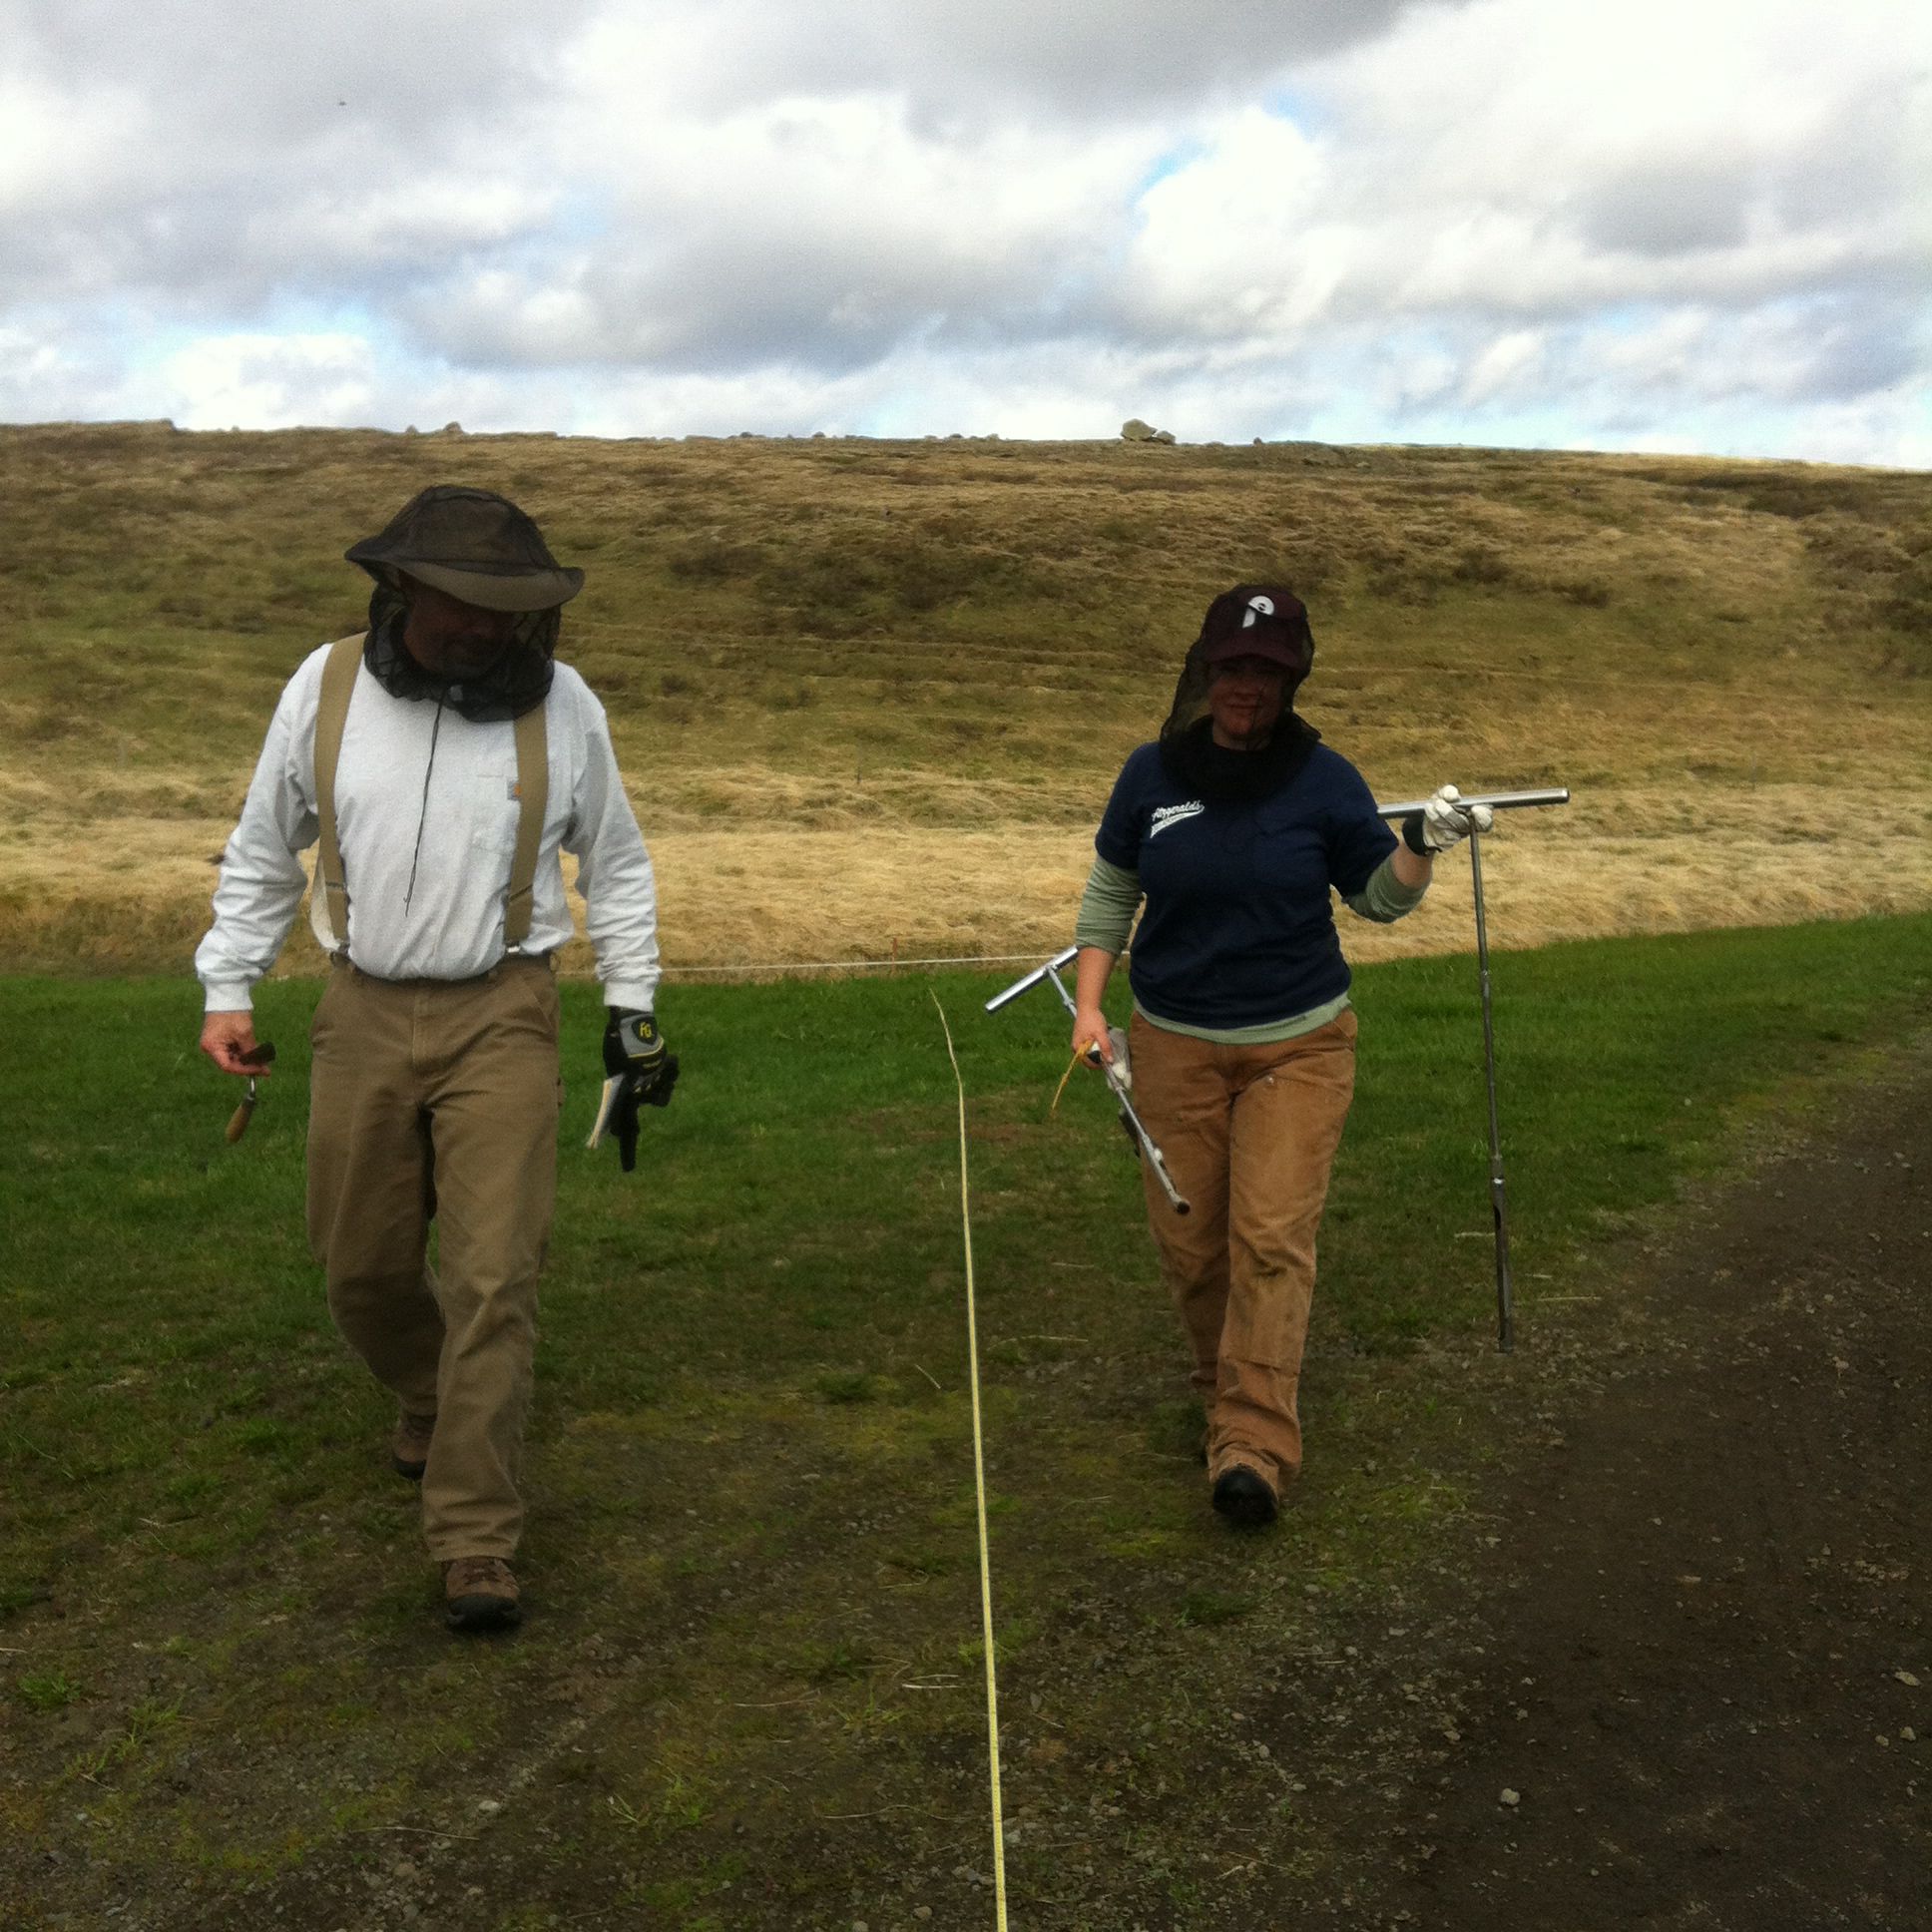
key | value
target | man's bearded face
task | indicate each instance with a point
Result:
(452, 639)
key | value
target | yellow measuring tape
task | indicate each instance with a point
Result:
(979, 1486)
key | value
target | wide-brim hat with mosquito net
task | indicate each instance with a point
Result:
(479, 547)
(473, 545)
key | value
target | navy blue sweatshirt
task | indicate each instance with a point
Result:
(1239, 929)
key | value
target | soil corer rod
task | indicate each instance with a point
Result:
(1131, 1121)
(1498, 1198)
(1497, 1195)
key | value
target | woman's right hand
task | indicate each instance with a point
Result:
(1090, 1029)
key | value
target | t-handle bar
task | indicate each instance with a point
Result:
(1494, 800)
(1027, 982)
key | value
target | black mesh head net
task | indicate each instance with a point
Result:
(518, 680)
(478, 547)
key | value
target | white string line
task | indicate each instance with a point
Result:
(847, 965)
(979, 1487)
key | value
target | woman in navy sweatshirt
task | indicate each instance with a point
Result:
(1234, 826)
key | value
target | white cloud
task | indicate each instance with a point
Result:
(1494, 220)
(1510, 366)
(1517, 159)
(1235, 240)
(822, 232)
(960, 63)
(59, 152)
(269, 381)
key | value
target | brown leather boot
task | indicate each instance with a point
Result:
(410, 1445)
(480, 1594)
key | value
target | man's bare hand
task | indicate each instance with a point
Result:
(228, 1040)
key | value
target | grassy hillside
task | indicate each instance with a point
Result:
(871, 693)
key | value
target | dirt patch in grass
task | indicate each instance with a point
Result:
(1690, 1684)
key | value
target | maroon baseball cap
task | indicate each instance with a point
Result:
(1259, 621)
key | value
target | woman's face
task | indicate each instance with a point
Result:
(1245, 700)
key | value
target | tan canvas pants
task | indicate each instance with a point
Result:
(1249, 1134)
(435, 1097)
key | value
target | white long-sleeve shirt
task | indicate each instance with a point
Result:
(411, 770)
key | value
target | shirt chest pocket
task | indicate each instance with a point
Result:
(494, 813)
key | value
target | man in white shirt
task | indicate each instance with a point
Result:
(443, 758)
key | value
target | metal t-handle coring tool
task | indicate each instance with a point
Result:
(1498, 1200)
(1136, 1133)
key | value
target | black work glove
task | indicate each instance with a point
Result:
(634, 1053)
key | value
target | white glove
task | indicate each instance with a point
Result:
(1445, 822)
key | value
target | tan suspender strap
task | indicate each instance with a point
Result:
(533, 800)
(332, 713)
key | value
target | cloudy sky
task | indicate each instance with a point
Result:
(1668, 225)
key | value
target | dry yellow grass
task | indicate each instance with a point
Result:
(870, 696)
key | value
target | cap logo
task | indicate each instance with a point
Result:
(1256, 607)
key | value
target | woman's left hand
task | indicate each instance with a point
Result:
(1447, 820)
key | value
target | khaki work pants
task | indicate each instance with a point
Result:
(1249, 1134)
(439, 1099)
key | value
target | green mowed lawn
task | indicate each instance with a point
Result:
(748, 1688)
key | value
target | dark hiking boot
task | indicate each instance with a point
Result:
(480, 1594)
(410, 1446)
(1243, 1498)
